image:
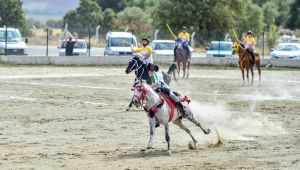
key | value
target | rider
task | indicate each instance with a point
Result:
(160, 86)
(146, 51)
(185, 38)
(249, 43)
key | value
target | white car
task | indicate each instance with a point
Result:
(163, 47)
(118, 43)
(286, 50)
(80, 48)
(15, 44)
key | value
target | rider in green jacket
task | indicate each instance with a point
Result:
(160, 86)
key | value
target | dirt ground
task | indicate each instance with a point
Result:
(75, 118)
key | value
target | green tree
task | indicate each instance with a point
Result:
(115, 5)
(270, 13)
(272, 36)
(87, 16)
(11, 14)
(260, 2)
(89, 13)
(211, 19)
(134, 18)
(283, 11)
(73, 21)
(109, 19)
(294, 18)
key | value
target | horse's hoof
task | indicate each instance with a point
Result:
(149, 147)
(128, 108)
(169, 152)
(192, 145)
(207, 131)
(143, 150)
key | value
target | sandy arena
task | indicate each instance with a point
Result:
(75, 118)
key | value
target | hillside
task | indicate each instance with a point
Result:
(48, 8)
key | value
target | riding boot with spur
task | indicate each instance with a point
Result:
(179, 104)
(182, 109)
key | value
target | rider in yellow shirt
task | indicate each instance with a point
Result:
(185, 38)
(146, 51)
(249, 43)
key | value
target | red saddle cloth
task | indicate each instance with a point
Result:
(170, 103)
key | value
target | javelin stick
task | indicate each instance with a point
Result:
(126, 42)
(236, 37)
(175, 37)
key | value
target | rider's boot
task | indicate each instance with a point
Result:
(182, 109)
(253, 58)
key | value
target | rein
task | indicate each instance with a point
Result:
(137, 68)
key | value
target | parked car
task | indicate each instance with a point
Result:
(15, 44)
(220, 49)
(286, 50)
(163, 47)
(118, 43)
(80, 48)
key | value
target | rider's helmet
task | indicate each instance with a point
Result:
(147, 40)
(184, 28)
(249, 32)
(151, 67)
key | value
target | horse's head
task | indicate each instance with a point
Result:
(235, 47)
(134, 64)
(140, 89)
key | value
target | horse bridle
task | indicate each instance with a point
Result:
(138, 67)
(144, 94)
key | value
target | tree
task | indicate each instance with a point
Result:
(270, 13)
(89, 13)
(11, 14)
(109, 19)
(294, 18)
(115, 5)
(135, 18)
(73, 21)
(283, 11)
(260, 2)
(211, 19)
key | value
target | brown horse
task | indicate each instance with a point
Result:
(246, 62)
(182, 58)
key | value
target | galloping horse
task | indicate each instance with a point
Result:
(140, 71)
(245, 61)
(162, 110)
(182, 57)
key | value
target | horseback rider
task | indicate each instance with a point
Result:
(184, 36)
(249, 44)
(159, 85)
(146, 51)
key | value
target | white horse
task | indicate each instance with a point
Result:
(145, 96)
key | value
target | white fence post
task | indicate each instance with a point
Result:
(97, 34)
(155, 34)
(192, 39)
